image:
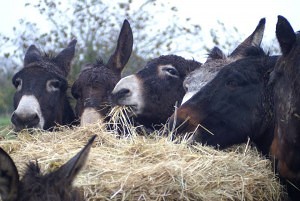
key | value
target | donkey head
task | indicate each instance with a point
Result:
(285, 146)
(96, 81)
(40, 100)
(153, 91)
(35, 186)
(233, 105)
(217, 59)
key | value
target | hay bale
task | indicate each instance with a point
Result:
(150, 168)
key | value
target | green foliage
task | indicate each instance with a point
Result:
(4, 121)
(6, 94)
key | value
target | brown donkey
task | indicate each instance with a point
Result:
(236, 104)
(286, 143)
(35, 186)
(96, 81)
(153, 91)
(40, 100)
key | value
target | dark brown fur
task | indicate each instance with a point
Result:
(160, 87)
(43, 78)
(286, 78)
(94, 85)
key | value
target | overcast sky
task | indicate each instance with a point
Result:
(243, 14)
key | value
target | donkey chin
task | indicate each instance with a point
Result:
(90, 116)
(28, 114)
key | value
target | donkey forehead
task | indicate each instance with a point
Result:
(37, 74)
(199, 79)
(201, 76)
(97, 76)
(181, 64)
(46, 64)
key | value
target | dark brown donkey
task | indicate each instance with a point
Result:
(96, 81)
(153, 91)
(216, 60)
(234, 106)
(286, 78)
(40, 100)
(35, 186)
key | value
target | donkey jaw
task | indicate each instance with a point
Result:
(28, 114)
(90, 116)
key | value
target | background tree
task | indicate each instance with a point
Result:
(96, 25)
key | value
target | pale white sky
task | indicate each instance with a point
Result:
(243, 14)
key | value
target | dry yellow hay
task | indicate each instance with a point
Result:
(150, 168)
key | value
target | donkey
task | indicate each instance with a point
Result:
(40, 100)
(96, 81)
(285, 146)
(217, 59)
(235, 105)
(35, 186)
(153, 91)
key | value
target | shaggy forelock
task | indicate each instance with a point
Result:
(97, 74)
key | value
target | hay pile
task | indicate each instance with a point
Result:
(150, 168)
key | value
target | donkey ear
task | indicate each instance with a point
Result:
(124, 48)
(285, 35)
(253, 40)
(9, 177)
(32, 55)
(65, 57)
(67, 173)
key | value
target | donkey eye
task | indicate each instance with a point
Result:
(18, 83)
(172, 71)
(53, 85)
(231, 84)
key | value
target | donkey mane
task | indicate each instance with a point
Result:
(97, 73)
(254, 51)
(99, 62)
(216, 53)
(32, 170)
(48, 63)
(90, 66)
(48, 56)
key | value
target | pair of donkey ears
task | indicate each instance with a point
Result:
(9, 176)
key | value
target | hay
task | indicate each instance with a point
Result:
(150, 168)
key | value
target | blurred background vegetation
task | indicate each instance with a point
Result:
(96, 25)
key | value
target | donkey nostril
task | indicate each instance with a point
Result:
(33, 118)
(123, 93)
(25, 120)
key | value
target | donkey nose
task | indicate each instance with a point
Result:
(21, 120)
(121, 94)
(184, 120)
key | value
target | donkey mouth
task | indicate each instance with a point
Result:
(132, 110)
(25, 127)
